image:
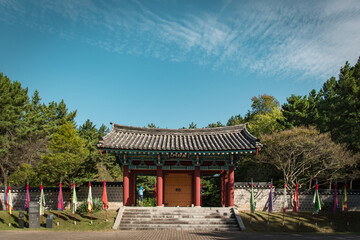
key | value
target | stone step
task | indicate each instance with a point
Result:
(185, 228)
(179, 214)
(156, 221)
(137, 225)
(174, 217)
(213, 219)
(179, 219)
(174, 212)
(165, 209)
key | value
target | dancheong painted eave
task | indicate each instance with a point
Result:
(231, 138)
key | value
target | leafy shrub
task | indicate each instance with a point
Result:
(147, 202)
(83, 207)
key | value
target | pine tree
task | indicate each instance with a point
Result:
(67, 153)
(13, 100)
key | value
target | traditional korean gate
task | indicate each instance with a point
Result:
(178, 190)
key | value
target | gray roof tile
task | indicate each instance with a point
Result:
(205, 139)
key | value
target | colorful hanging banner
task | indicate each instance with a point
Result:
(271, 199)
(285, 202)
(104, 197)
(74, 200)
(42, 200)
(252, 201)
(345, 199)
(89, 199)
(296, 198)
(27, 199)
(60, 199)
(335, 199)
(316, 200)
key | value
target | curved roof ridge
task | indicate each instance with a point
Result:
(118, 127)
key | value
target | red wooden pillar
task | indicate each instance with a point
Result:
(159, 185)
(126, 186)
(231, 186)
(221, 189)
(197, 186)
(132, 186)
(193, 189)
(226, 195)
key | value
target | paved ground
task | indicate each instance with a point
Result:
(157, 235)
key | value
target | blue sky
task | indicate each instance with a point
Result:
(174, 62)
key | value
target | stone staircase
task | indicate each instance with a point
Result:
(179, 218)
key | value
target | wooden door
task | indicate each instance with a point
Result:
(178, 190)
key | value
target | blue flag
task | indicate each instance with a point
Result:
(5, 197)
(271, 199)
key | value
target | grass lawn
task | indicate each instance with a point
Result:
(307, 222)
(66, 221)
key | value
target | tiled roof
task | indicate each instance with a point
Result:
(156, 139)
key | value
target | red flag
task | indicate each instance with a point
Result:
(27, 200)
(60, 199)
(104, 198)
(296, 199)
(335, 199)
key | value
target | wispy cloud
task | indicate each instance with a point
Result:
(280, 39)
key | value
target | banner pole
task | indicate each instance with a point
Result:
(250, 200)
(283, 223)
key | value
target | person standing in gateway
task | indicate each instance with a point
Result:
(141, 195)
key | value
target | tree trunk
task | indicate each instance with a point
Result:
(351, 181)
(330, 184)
(4, 173)
(310, 182)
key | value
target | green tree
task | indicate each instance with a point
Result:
(34, 131)
(38, 124)
(152, 125)
(266, 123)
(97, 166)
(210, 191)
(67, 154)
(13, 100)
(214, 125)
(305, 154)
(235, 120)
(23, 174)
(339, 107)
(301, 111)
(263, 104)
(192, 125)
(265, 115)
